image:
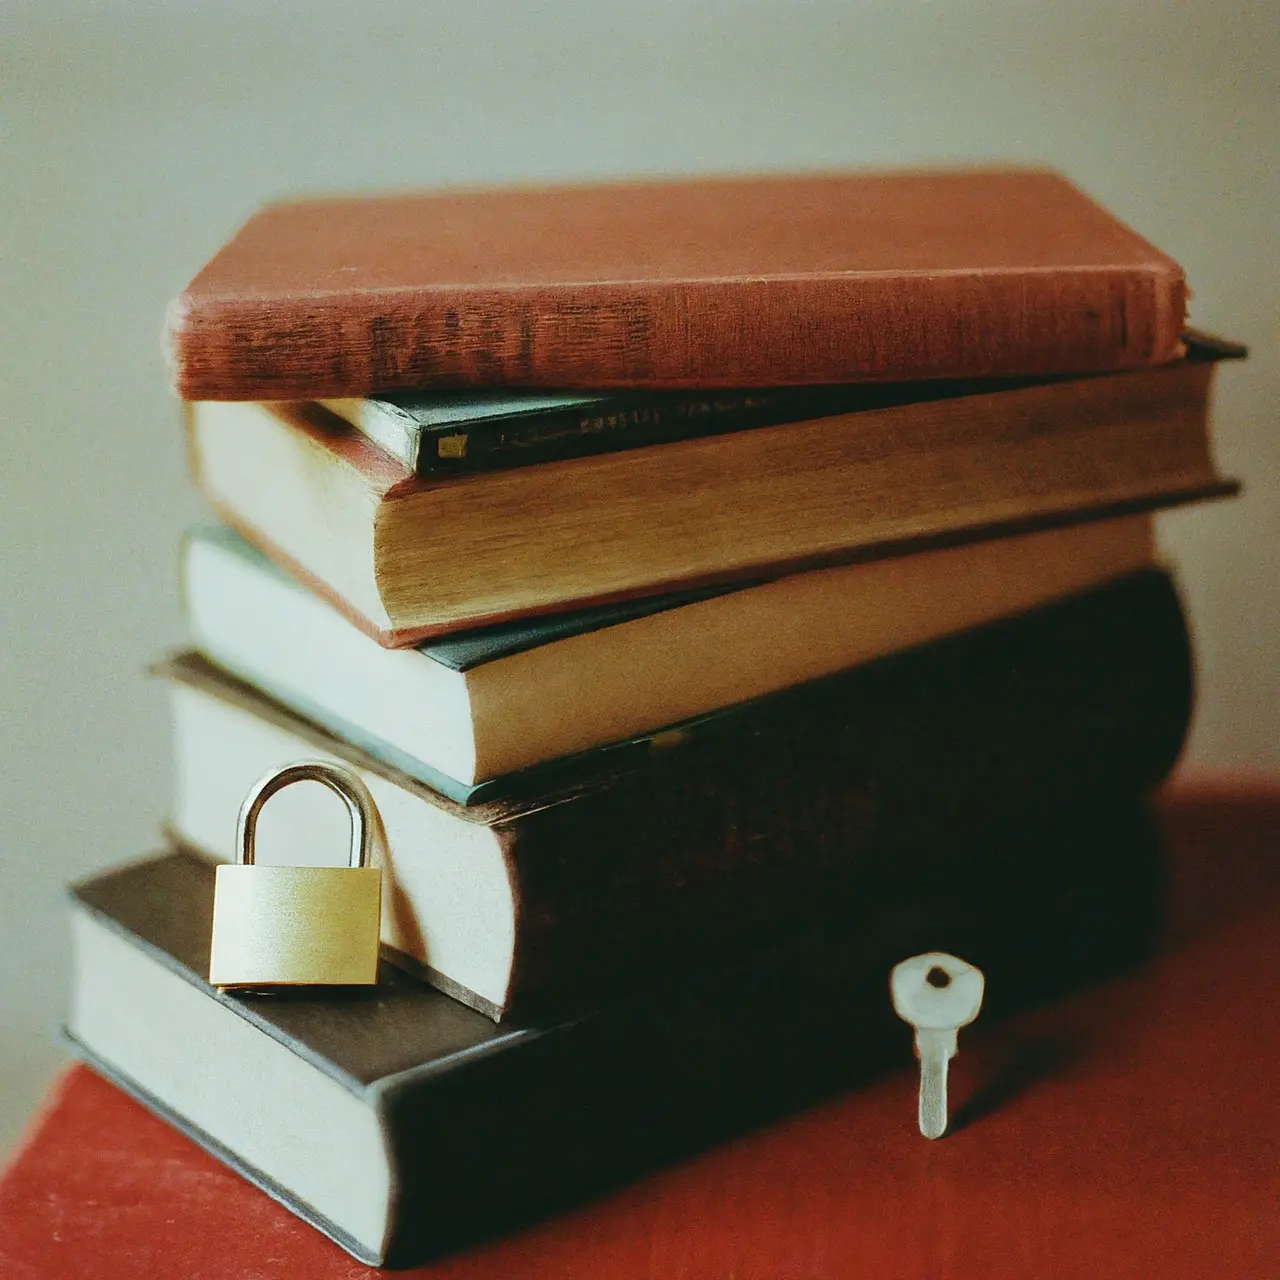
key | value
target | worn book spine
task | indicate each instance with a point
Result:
(736, 332)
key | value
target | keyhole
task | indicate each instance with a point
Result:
(938, 977)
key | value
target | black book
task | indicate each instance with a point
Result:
(404, 1124)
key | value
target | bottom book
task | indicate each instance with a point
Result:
(404, 1124)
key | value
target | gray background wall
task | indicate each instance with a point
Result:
(135, 136)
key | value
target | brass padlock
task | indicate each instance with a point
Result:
(294, 926)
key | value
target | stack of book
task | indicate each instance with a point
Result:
(824, 625)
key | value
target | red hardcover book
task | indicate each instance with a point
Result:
(720, 282)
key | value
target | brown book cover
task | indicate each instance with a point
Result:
(711, 282)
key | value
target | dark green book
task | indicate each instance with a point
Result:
(448, 432)
(403, 1124)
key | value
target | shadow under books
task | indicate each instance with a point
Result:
(1050, 913)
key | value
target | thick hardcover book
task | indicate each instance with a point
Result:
(721, 282)
(403, 1124)
(449, 432)
(479, 704)
(551, 886)
(408, 558)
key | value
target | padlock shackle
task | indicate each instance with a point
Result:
(342, 782)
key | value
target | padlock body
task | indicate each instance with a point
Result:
(293, 926)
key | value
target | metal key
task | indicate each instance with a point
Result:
(937, 994)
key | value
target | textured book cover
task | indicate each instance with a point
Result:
(712, 282)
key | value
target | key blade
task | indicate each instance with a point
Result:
(935, 1050)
